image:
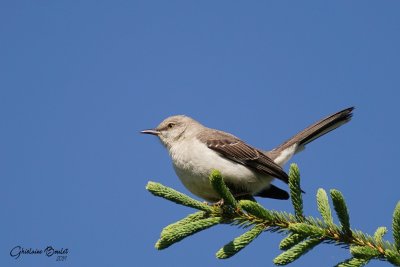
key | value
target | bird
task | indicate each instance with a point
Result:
(197, 150)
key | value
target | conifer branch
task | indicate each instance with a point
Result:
(239, 243)
(160, 190)
(396, 226)
(341, 211)
(296, 251)
(190, 218)
(323, 207)
(302, 233)
(218, 184)
(291, 240)
(184, 230)
(353, 262)
(295, 191)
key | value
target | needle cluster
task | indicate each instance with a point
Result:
(302, 232)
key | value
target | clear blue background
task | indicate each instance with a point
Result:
(80, 79)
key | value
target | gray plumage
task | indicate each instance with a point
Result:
(196, 150)
(236, 150)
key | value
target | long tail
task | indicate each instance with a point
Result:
(285, 151)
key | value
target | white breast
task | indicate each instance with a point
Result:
(193, 162)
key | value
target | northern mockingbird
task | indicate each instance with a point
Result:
(196, 150)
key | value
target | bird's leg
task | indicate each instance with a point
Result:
(219, 203)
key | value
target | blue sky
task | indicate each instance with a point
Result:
(79, 80)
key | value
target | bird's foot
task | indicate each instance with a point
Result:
(219, 203)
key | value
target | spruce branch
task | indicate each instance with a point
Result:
(379, 233)
(239, 242)
(396, 226)
(306, 229)
(291, 240)
(393, 256)
(341, 210)
(296, 251)
(160, 190)
(253, 208)
(323, 207)
(190, 218)
(180, 232)
(218, 184)
(303, 233)
(353, 262)
(295, 191)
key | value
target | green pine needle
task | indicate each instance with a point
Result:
(239, 243)
(295, 190)
(188, 219)
(296, 251)
(306, 229)
(393, 256)
(353, 262)
(303, 233)
(323, 206)
(218, 184)
(178, 233)
(379, 233)
(341, 210)
(290, 241)
(255, 209)
(396, 226)
(160, 190)
(363, 252)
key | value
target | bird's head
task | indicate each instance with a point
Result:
(172, 129)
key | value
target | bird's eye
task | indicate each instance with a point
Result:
(170, 125)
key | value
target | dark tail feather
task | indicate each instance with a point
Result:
(273, 192)
(316, 130)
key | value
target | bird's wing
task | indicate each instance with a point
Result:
(238, 151)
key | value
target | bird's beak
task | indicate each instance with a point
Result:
(150, 131)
